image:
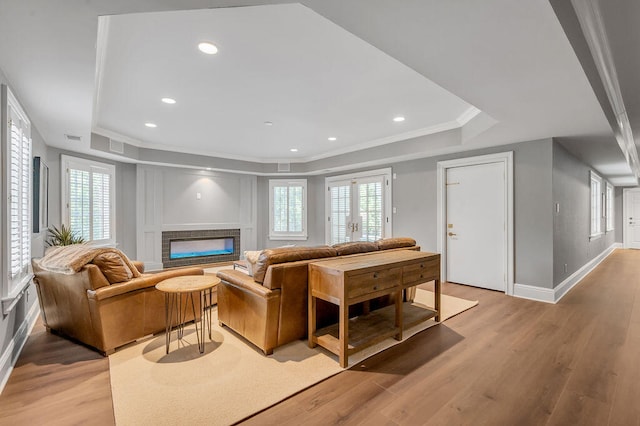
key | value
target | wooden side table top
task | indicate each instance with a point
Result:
(188, 283)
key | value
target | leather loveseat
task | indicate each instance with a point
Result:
(269, 309)
(91, 306)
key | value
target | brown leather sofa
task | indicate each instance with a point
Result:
(270, 308)
(86, 307)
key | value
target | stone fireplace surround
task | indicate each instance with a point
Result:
(202, 234)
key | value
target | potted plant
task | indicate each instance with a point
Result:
(63, 237)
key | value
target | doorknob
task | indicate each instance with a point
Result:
(451, 234)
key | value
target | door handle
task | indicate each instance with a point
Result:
(451, 234)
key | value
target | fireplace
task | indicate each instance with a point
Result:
(184, 248)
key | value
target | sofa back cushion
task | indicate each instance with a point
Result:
(397, 242)
(354, 247)
(288, 254)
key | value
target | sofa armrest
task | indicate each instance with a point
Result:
(244, 281)
(145, 281)
(139, 265)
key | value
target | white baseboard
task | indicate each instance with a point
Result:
(532, 292)
(571, 281)
(10, 355)
(152, 266)
(554, 295)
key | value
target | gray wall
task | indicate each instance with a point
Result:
(14, 326)
(125, 197)
(169, 201)
(414, 196)
(571, 226)
(315, 213)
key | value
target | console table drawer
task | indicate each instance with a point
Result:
(420, 272)
(373, 281)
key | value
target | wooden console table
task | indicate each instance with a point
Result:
(351, 280)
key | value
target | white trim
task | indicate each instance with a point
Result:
(563, 288)
(467, 116)
(10, 355)
(456, 123)
(531, 292)
(592, 25)
(502, 157)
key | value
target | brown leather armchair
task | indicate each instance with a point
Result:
(87, 308)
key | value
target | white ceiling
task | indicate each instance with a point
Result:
(284, 64)
(511, 60)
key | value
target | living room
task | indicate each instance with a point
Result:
(538, 96)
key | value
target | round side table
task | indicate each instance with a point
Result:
(176, 305)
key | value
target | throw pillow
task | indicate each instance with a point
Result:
(114, 267)
(252, 257)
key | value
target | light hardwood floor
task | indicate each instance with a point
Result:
(507, 361)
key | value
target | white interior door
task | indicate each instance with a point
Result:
(476, 225)
(632, 218)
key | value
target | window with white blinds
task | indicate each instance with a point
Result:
(596, 206)
(288, 209)
(609, 207)
(89, 199)
(16, 151)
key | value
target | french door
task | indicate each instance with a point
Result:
(358, 207)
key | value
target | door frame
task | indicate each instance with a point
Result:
(625, 214)
(506, 158)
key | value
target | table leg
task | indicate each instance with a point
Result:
(312, 321)
(399, 318)
(437, 298)
(167, 320)
(344, 335)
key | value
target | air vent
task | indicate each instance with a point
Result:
(72, 138)
(115, 146)
(284, 167)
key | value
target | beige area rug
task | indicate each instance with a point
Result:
(231, 380)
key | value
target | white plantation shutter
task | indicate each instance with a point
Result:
(16, 150)
(88, 198)
(358, 207)
(371, 210)
(596, 206)
(340, 200)
(288, 207)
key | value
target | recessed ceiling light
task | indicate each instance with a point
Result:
(332, 138)
(208, 48)
(398, 119)
(294, 150)
(268, 123)
(169, 101)
(152, 125)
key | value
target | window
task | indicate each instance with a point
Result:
(609, 207)
(596, 206)
(358, 207)
(288, 208)
(16, 154)
(88, 199)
